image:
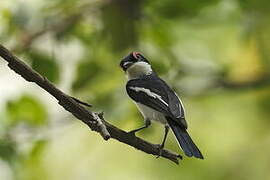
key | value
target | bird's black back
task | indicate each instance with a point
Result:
(166, 101)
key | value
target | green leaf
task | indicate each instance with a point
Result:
(27, 110)
(86, 72)
(45, 65)
(38, 149)
(7, 149)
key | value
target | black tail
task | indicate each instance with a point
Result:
(185, 141)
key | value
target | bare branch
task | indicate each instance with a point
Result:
(94, 120)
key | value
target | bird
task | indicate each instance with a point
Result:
(156, 101)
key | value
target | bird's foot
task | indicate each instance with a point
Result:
(179, 156)
(160, 149)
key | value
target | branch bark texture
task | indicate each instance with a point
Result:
(95, 121)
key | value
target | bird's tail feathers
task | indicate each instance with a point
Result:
(184, 140)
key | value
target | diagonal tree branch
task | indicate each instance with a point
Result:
(95, 121)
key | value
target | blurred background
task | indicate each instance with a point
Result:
(214, 53)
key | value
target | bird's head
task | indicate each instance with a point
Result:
(135, 65)
(132, 59)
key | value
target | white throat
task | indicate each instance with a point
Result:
(139, 69)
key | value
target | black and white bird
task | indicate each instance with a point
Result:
(157, 101)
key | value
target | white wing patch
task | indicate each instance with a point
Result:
(149, 93)
(181, 104)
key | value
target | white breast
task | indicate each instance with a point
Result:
(138, 69)
(151, 114)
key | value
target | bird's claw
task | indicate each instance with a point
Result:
(160, 148)
(179, 156)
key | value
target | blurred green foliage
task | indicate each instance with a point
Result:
(173, 9)
(214, 53)
(44, 65)
(84, 76)
(30, 166)
(7, 149)
(26, 110)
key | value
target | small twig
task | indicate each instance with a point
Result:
(102, 128)
(95, 121)
(81, 102)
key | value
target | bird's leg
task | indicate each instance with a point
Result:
(147, 123)
(167, 128)
(161, 146)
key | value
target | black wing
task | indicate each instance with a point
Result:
(155, 93)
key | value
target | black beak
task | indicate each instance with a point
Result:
(125, 64)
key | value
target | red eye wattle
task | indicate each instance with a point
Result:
(135, 55)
